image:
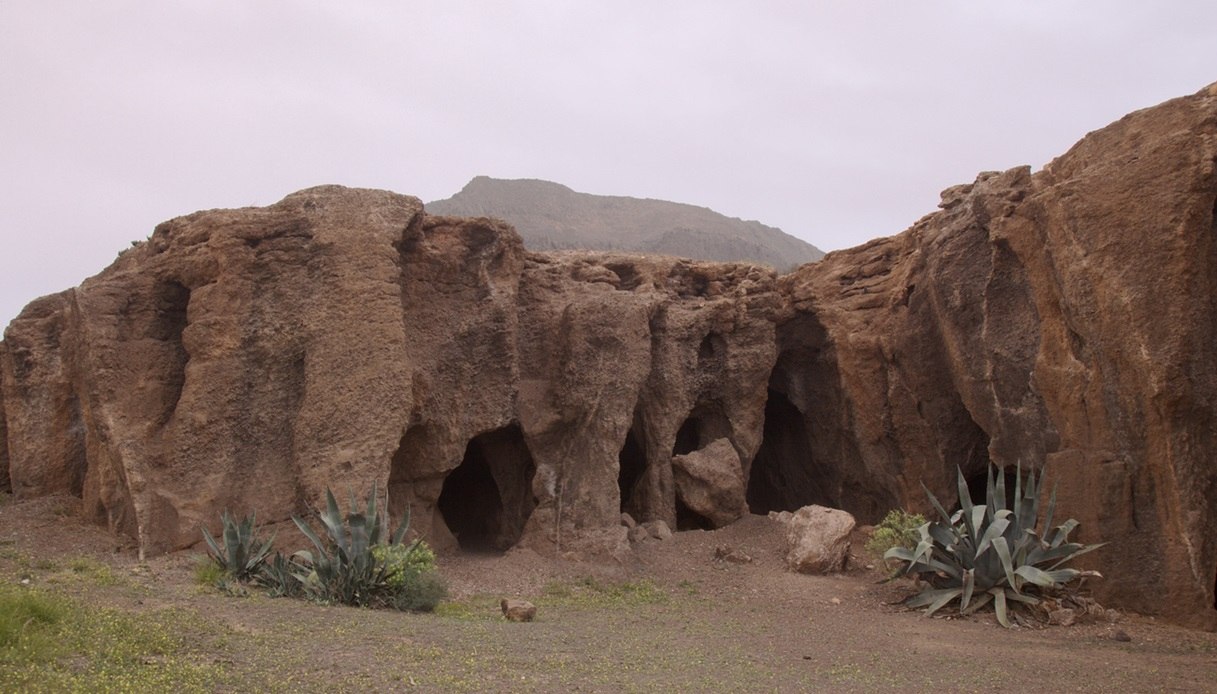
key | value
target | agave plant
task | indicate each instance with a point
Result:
(344, 567)
(992, 552)
(243, 552)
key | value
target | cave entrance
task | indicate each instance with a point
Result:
(704, 425)
(488, 498)
(632, 465)
(978, 486)
(783, 476)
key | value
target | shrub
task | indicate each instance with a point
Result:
(990, 553)
(344, 567)
(413, 583)
(243, 552)
(897, 529)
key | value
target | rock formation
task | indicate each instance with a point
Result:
(247, 359)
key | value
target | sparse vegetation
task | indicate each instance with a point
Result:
(51, 643)
(989, 553)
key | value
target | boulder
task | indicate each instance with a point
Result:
(710, 482)
(817, 539)
(517, 610)
(658, 529)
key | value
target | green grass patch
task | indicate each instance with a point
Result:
(591, 592)
(52, 643)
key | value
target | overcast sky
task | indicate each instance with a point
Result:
(836, 121)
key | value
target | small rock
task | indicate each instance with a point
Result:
(731, 555)
(835, 601)
(25, 581)
(518, 610)
(628, 521)
(638, 534)
(658, 529)
(1063, 617)
(780, 516)
(1113, 616)
(1120, 635)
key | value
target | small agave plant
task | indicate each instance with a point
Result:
(243, 552)
(992, 552)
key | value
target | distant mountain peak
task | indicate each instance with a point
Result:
(552, 216)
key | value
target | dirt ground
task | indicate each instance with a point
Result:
(674, 619)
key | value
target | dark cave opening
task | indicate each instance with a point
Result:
(978, 486)
(783, 476)
(704, 425)
(632, 462)
(488, 498)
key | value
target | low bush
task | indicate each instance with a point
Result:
(897, 529)
(993, 552)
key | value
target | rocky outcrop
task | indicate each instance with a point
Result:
(1063, 319)
(247, 359)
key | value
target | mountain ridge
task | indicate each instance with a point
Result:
(553, 216)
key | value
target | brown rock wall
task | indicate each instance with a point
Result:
(1065, 317)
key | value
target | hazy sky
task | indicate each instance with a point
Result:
(836, 121)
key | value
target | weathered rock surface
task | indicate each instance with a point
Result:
(247, 359)
(817, 539)
(1066, 318)
(710, 483)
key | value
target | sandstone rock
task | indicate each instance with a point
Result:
(518, 610)
(639, 534)
(628, 521)
(658, 529)
(710, 482)
(731, 555)
(817, 539)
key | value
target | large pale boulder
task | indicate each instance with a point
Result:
(710, 483)
(817, 539)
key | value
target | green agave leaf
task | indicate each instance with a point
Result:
(965, 501)
(1083, 550)
(930, 596)
(1003, 551)
(999, 605)
(969, 582)
(981, 600)
(998, 498)
(946, 517)
(1060, 534)
(402, 527)
(216, 552)
(995, 530)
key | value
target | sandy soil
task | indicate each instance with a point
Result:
(675, 618)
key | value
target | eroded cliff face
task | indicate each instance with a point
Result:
(247, 359)
(1061, 319)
